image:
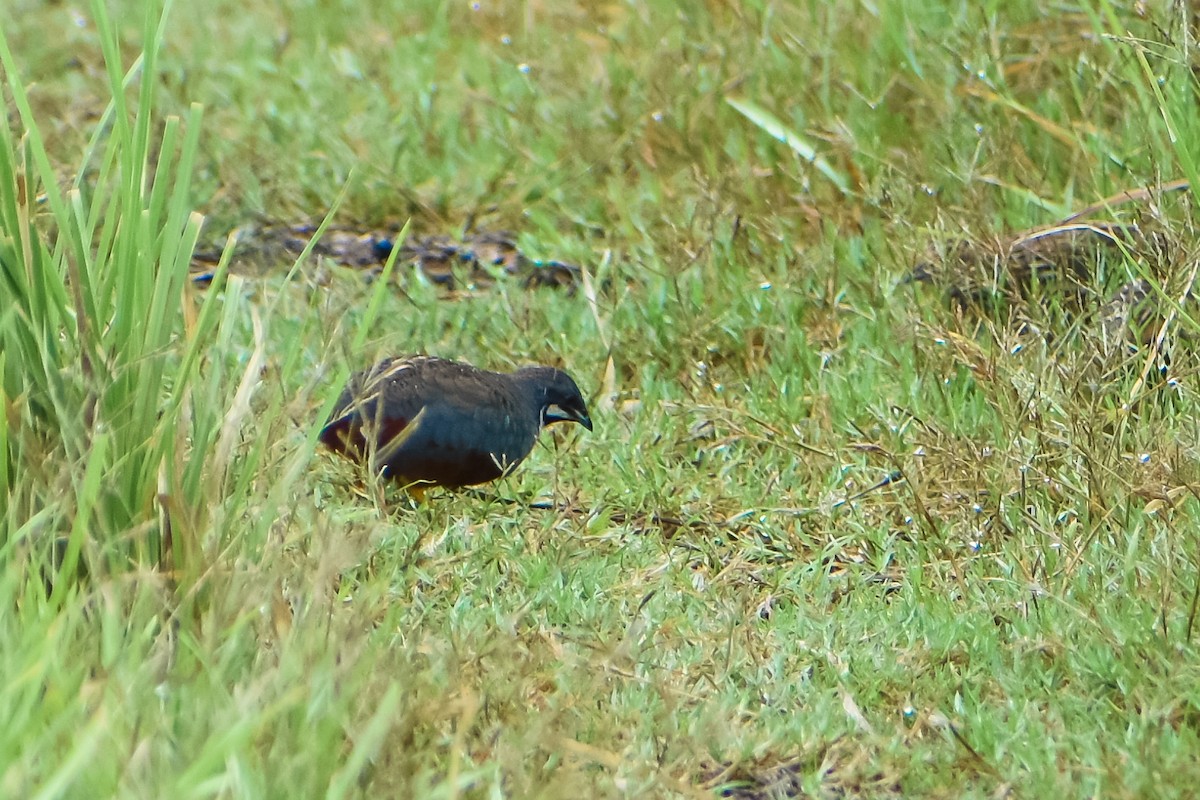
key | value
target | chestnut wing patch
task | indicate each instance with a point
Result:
(346, 435)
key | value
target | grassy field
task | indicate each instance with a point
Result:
(833, 536)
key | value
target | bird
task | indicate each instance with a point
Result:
(436, 422)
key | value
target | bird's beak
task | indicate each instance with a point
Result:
(556, 413)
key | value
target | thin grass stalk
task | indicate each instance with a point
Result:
(95, 360)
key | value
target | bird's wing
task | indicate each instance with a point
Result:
(389, 447)
(374, 405)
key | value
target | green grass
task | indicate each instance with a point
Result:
(199, 603)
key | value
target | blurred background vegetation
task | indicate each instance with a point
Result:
(834, 536)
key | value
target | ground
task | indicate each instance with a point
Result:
(892, 488)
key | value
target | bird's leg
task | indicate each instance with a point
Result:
(416, 489)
